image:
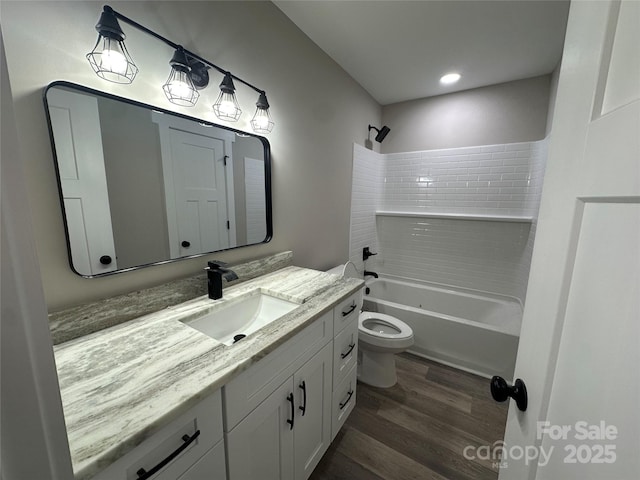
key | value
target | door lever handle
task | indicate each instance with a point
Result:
(500, 391)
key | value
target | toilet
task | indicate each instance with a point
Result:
(380, 337)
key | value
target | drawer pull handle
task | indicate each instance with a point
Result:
(188, 440)
(353, 307)
(346, 354)
(290, 422)
(303, 407)
(344, 404)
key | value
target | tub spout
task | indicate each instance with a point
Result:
(373, 274)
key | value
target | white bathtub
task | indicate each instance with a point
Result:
(473, 331)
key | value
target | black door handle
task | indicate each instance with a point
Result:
(500, 391)
(346, 354)
(290, 422)
(186, 439)
(105, 260)
(185, 244)
(303, 407)
(353, 307)
(344, 404)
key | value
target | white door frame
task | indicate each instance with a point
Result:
(34, 420)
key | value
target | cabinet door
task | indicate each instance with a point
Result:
(312, 430)
(261, 445)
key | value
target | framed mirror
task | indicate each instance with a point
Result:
(142, 186)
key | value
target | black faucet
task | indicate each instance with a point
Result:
(373, 274)
(215, 273)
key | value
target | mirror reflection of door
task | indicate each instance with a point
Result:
(198, 179)
(200, 193)
(76, 126)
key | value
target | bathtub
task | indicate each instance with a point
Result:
(474, 331)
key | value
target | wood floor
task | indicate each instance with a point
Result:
(417, 429)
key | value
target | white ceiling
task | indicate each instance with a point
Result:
(398, 50)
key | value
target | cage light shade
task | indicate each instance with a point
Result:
(226, 106)
(261, 121)
(111, 60)
(179, 87)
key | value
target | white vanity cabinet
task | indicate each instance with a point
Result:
(283, 412)
(345, 359)
(280, 441)
(288, 431)
(189, 448)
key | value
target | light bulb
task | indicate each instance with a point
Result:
(450, 78)
(178, 88)
(113, 61)
(227, 108)
(261, 120)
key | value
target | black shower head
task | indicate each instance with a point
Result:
(382, 132)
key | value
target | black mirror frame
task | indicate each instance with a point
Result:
(267, 164)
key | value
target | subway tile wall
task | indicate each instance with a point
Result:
(366, 197)
(493, 179)
(485, 180)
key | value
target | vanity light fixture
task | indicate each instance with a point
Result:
(226, 106)
(450, 78)
(189, 72)
(261, 122)
(109, 57)
(179, 88)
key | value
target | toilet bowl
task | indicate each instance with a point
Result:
(380, 337)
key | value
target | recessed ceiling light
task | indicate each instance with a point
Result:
(450, 78)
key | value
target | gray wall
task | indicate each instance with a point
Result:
(133, 165)
(311, 145)
(505, 113)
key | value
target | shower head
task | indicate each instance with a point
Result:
(382, 132)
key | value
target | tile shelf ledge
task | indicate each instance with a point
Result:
(458, 216)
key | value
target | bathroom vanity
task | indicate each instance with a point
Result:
(156, 391)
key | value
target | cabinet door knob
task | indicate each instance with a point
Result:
(105, 260)
(185, 244)
(303, 407)
(186, 441)
(290, 422)
(351, 309)
(346, 354)
(500, 391)
(344, 404)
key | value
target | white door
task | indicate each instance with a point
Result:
(199, 186)
(579, 350)
(312, 432)
(76, 127)
(261, 445)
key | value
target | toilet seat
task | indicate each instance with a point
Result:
(402, 336)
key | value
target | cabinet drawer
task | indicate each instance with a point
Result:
(206, 418)
(246, 391)
(212, 466)
(346, 311)
(344, 399)
(345, 352)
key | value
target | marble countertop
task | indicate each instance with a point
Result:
(121, 385)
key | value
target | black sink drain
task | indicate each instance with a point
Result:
(237, 338)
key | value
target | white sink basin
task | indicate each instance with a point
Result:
(242, 316)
